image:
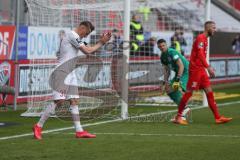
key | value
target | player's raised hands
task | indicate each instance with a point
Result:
(105, 37)
(211, 71)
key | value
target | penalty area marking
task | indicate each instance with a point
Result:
(104, 122)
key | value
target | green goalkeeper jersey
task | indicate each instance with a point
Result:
(170, 57)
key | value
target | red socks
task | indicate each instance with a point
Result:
(212, 104)
(183, 102)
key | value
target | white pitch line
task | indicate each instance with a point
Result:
(104, 122)
(167, 134)
(172, 111)
(57, 130)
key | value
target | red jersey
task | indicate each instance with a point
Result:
(199, 53)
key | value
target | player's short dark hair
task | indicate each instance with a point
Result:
(208, 23)
(161, 41)
(87, 24)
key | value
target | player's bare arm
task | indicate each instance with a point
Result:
(166, 74)
(211, 71)
(180, 66)
(91, 49)
(176, 84)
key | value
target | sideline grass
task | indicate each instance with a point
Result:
(133, 146)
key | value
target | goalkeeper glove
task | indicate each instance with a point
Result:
(176, 85)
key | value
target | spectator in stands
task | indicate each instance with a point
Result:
(147, 49)
(175, 44)
(235, 4)
(136, 34)
(236, 45)
(178, 41)
(116, 41)
(116, 37)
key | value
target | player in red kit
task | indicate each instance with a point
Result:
(198, 77)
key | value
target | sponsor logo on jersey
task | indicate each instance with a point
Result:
(200, 45)
(175, 57)
(194, 84)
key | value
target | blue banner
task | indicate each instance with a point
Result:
(22, 44)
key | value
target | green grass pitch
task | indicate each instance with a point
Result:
(129, 140)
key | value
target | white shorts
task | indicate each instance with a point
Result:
(60, 89)
(58, 96)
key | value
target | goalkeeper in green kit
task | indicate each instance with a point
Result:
(172, 60)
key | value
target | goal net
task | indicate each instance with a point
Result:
(99, 76)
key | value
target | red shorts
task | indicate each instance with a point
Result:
(198, 80)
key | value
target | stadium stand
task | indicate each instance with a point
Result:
(235, 4)
(186, 11)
